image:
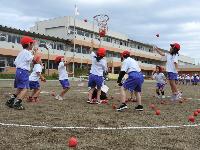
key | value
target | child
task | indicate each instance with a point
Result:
(161, 81)
(132, 83)
(192, 79)
(187, 78)
(196, 79)
(34, 79)
(99, 66)
(63, 75)
(172, 68)
(22, 63)
(103, 95)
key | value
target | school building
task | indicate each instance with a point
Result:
(58, 34)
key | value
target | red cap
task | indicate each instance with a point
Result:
(58, 58)
(125, 53)
(37, 58)
(26, 40)
(101, 52)
(175, 45)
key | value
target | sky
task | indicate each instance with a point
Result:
(174, 20)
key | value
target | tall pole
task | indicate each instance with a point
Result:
(93, 34)
(48, 62)
(81, 56)
(74, 41)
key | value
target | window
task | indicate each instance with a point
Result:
(2, 37)
(87, 34)
(9, 38)
(13, 39)
(78, 50)
(10, 62)
(54, 46)
(18, 39)
(79, 32)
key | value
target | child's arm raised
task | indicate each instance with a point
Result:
(159, 51)
(67, 62)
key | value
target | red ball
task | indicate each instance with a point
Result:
(152, 106)
(72, 142)
(198, 110)
(191, 118)
(158, 112)
(196, 113)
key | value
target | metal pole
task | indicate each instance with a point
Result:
(74, 42)
(93, 35)
(81, 55)
(48, 61)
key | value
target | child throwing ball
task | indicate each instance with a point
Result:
(172, 69)
(63, 76)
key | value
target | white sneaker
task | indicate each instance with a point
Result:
(178, 96)
(57, 97)
(173, 97)
(158, 96)
(60, 98)
(163, 96)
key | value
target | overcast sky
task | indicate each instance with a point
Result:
(174, 20)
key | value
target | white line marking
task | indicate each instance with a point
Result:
(84, 92)
(44, 92)
(99, 128)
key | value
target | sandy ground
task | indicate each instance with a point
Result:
(75, 112)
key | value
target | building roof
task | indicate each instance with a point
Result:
(32, 34)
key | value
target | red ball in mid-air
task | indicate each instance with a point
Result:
(72, 142)
(198, 110)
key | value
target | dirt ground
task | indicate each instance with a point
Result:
(75, 112)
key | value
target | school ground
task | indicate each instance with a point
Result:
(50, 123)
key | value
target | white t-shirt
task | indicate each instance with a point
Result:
(197, 77)
(98, 68)
(62, 71)
(187, 77)
(23, 60)
(159, 77)
(170, 66)
(129, 65)
(36, 69)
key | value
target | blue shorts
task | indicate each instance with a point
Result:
(134, 82)
(65, 83)
(21, 79)
(94, 81)
(34, 85)
(196, 80)
(160, 86)
(172, 76)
